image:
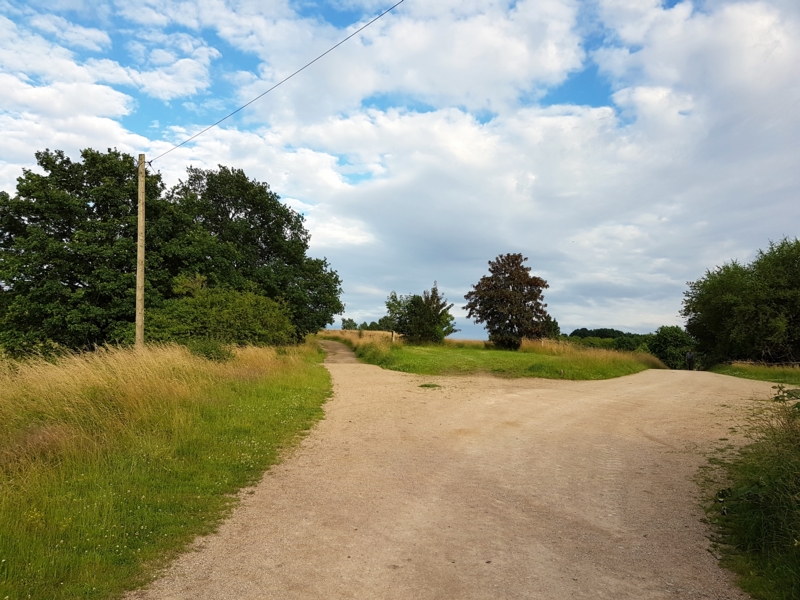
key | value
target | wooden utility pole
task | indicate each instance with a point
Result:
(140, 261)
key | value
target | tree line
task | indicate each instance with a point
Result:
(217, 240)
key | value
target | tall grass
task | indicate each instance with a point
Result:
(758, 513)
(542, 358)
(111, 462)
(778, 374)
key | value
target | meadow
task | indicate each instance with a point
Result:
(549, 359)
(111, 462)
(789, 375)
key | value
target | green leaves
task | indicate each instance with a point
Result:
(749, 312)
(422, 318)
(68, 250)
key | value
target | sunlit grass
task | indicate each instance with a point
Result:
(111, 462)
(543, 358)
(785, 374)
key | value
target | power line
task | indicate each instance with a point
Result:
(186, 141)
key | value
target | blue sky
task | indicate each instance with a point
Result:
(624, 146)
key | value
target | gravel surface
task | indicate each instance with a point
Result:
(481, 488)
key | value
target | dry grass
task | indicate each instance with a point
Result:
(84, 400)
(112, 461)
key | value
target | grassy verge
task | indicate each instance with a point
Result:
(548, 359)
(787, 375)
(110, 463)
(757, 512)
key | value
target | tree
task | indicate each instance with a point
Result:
(349, 325)
(422, 318)
(509, 302)
(748, 312)
(68, 249)
(242, 236)
(670, 344)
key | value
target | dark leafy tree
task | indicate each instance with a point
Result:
(670, 344)
(748, 312)
(422, 318)
(242, 236)
(349, 325)
(67, 249)
(509, 302)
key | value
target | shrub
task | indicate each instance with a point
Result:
(670, 344)
(221, 316)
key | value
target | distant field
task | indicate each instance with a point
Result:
(546, 358)
(787, 375)
(112, 461)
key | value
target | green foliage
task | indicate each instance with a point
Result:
(68, 249)
(670, 344)
(244, 238)
(349, 325)
(758, 514)
(221, 316)
(509, 302)
(422, 318)
(612, 338)
(749, 312)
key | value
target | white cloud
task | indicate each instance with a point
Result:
(695, 162)
(71, 34)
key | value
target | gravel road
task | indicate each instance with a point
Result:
(481, 488)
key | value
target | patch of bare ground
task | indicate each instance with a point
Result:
(481, 488)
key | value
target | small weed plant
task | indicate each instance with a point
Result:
(541, 358)
(112, 461)
(758, 512)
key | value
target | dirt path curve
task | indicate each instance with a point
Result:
(482, 488)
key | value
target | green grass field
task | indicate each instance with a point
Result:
(112, 462)
(548, 359)
(786, 375)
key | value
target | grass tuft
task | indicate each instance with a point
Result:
(112, 462)
(542, 358)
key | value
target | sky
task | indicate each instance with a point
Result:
(623, 146)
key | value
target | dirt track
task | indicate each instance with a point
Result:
(483, 488)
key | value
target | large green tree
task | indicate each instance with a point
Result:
(750, 311)
(67, 249)
(509, 302)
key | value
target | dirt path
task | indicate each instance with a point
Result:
(483, 488)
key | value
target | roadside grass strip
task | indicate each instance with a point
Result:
(756, 508)
(112, 462)
(544, 358)
(779, 374)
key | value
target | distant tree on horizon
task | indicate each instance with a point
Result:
(510, 302)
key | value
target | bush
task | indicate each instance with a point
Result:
(218, 316)
(670, 344)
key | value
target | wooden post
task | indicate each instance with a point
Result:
(140, 260)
